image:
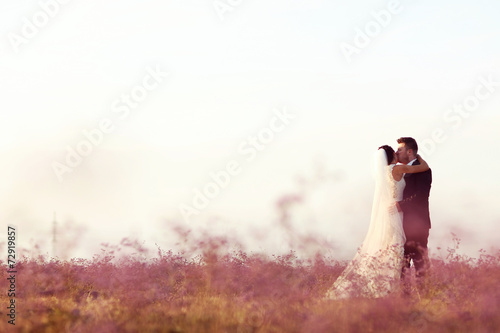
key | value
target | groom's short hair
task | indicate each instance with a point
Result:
(410, 143)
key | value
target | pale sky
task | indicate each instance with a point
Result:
(65, 69)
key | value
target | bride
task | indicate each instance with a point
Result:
(375, 269)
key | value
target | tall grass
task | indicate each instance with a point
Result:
(211, 284)
(212, 288)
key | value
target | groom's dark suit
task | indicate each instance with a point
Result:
(416, 218)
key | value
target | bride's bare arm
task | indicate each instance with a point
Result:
(401, 169)
(415, 168)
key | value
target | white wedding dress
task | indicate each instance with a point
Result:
(376, 268)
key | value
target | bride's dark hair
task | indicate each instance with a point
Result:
(389, 152)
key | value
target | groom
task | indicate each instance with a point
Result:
(415, 208)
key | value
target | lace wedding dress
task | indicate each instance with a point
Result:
(375, 270)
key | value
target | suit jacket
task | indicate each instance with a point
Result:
(415, 203)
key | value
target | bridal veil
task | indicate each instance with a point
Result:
(376, 267)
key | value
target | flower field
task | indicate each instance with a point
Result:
(222, 290)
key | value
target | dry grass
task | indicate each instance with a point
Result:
(221, 291)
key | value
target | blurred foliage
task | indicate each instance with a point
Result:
(224, 290)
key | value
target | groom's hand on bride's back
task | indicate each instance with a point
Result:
(393, 209)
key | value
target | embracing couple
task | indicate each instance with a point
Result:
(399, 226)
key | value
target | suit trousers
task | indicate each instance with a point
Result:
(415, 248)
